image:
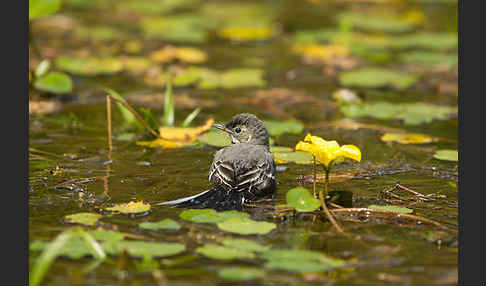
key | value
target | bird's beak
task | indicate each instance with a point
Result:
(222, 127)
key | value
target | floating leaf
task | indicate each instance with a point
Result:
(397, 209)
(184, 54)
(40, 8)
(315, 53)
(216, 138)
(89, 66)
(297, 260)
(376, 23)
(166, 224)
(245, 244)
(83, 218)
(377, 77)
(241, 273)
(105, 235)
(411, 113)
(314, 36)
(130, 208)
(215, 251)
(425, 40)
(143, 248)
(280, 149)
(297, 157)
(302, 200)
(233, 78)
(277, 128)
(75, 248)
(408, 138)
(55, 82)
(188, 28)
(246, 226)
(433, 59)
(447, 155)
(246, 33)
(210, 215)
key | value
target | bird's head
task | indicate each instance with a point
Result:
(245, 128)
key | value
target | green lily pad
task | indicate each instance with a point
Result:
(410, 113)
(104, 33)
(153, 7)
(277, 128)
(106, 235)
(166, 224)
(215, 251)
(55, 82)
(320, 36)
(233, 78)
(246, 226)
(241, 273)
(433, 59)
(377, 77)
(447, 155)
(83, 218)
(143, 248)
(217, 138)
(75, 248)
(187, 28)
(280, 149)
(297, 157)
(296, 260)
(89, 66)
(210, 215)
(40, 8)
(130, 208)
(397, 209)
(302, 200)
(428, 41)
(245, 244)
(374, 23)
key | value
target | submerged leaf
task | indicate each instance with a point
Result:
(302, 200)
(446, 155)
(83, 218)
(246, 226)
(130, 208)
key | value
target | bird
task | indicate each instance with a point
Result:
(243, 172)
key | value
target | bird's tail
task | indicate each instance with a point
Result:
(212, 198)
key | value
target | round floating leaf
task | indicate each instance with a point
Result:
(432, 59)
(130, 208)
(396, 209)
(105, 235)
(376, 23)
(75, 248)
(276, 128)
(377, 77)
(246, 226)
(302, 200)
(280, 149)
(210, 215)
(215, 138)
(55, 82)
(83, 218)
(89, 66)
(215, 251)
(447, 155)
(40, 8)
(407, 138)
(246, 33)
(245, 244)
(143, 248)
(298, 157)
(297, 260)
(241, 273)
(188, 28)
(411, 113)
(166, 224)
(430, 41)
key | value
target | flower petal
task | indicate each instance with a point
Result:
(350, 151)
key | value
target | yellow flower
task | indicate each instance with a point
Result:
(327, 151)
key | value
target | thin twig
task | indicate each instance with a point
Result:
(409, 216)
(412, 191)
(108, 115)
(145, 124)
(328, 214)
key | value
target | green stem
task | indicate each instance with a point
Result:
(327, 170)
(315, 175)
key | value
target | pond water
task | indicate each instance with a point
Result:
(71, 170)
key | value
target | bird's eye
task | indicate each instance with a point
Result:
(237, 130)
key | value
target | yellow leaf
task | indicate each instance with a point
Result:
(175, 137)
(320, 52)
(407, 138)
(327, 151)
(246, 33)
(130, 208)
(184, 54)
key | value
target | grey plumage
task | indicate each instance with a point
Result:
(244, 171)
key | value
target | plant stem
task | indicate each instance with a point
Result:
(328, 214)
(108, 115)
(315, 175)
(327, 171)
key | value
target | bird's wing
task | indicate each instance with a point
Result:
(258, 176)
(222, 171)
